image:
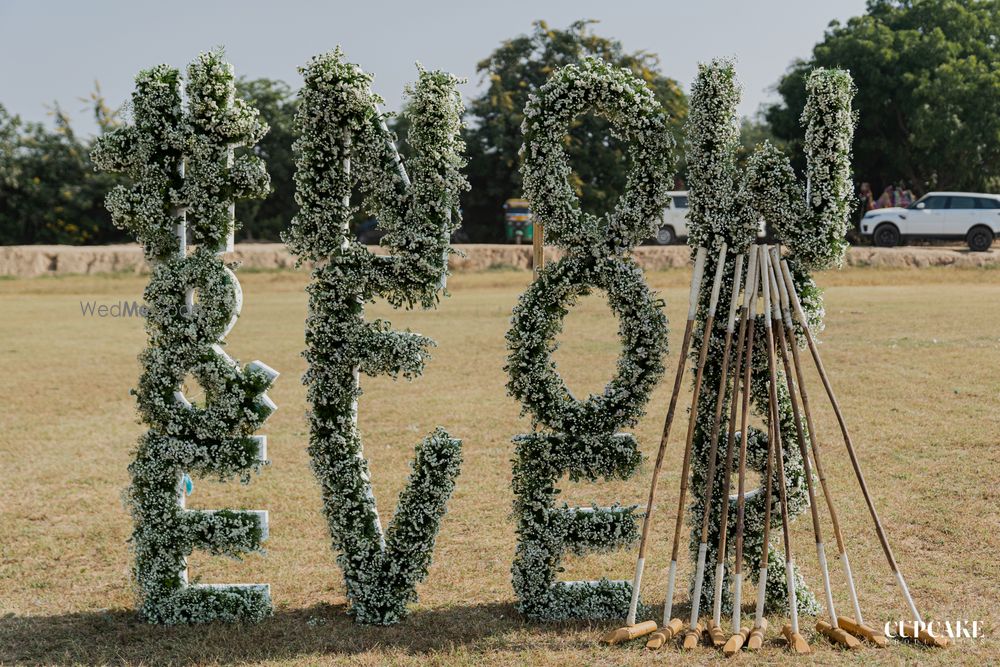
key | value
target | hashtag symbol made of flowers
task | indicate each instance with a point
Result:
(185, 179)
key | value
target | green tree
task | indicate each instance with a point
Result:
(513, 72)
(10, 177)
(49, 192)
(928, 76)
(265, 219)
(754, 131)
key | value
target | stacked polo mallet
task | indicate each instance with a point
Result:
(767, 280)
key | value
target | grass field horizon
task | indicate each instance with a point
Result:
(912, 354)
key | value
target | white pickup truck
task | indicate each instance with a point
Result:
(970, 216)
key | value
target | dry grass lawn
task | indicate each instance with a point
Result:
(914, 354)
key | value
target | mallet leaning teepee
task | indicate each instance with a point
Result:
(750, 292)
(686, 466)
(631, 629)
(715, 625)
(918, 627)
(772, 315)
(720, 401)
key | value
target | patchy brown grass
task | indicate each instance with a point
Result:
(913, 354)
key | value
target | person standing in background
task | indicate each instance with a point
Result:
(866, 201)
(886, 200)
(906, 196)
(900, 197)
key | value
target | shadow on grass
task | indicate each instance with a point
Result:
(119, 636)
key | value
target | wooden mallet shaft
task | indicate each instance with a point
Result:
(780, 292)
(647, 520)
(831, 629)
(750, 294)
(787, 285)
(713, 450)
(769, 470)
(715, 627)
(771, 303)
(692, 420)
(879, 528)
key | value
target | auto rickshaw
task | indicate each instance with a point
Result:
(517, 221)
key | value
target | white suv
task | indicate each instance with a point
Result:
(673, 227)
(971, 216)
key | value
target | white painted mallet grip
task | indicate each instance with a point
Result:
(634, 604)
(720, 268)
(720, 572)
(750, 289)
(793, 603)
(699, 578)
(737, 600)
(786, 309)
(765, 288)
(668, 604)
(909, 599)
(734, 301)
(699, 270)
(850, 588)
(761, 593)
(825, 571)
(775, 295)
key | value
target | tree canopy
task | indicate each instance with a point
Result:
(514, 70)
(928, 77)
(49, 192)
(265, 219)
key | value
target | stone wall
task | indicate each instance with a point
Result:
(40, 260)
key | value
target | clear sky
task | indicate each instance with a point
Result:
(56, 49)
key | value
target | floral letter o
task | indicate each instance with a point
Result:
(581, 436)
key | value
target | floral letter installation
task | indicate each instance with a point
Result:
(180, 207)
(343, 141)
(582, 438)
(726, 205)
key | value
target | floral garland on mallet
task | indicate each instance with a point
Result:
(581, 438)
(726, 205)
(343, 141)
(180, 208)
